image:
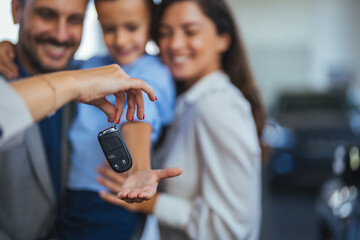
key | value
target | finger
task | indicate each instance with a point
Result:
(119, 105)
(141, 84)
(131, 107)
(134, 194)
(8, 64)
(123, 193)
(109, 173)
(6, 72)
(168, 173)
(140, 105)
(111, 198)
(113, 187)
(11, 53)
(105, 164)
(128, 200)
(138, 200)
(105, 106)
(147, 194)
(10, 61)
(133, 200)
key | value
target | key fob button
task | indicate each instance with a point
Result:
(107, 145)
(124, 162)
(116, 143)
(112, 156)
(116, 166)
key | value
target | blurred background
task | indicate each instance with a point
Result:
(305, 56)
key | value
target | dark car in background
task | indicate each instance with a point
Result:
(338, 201)
(304, 131)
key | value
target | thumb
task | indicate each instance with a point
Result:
(168, 173)
(105, 106)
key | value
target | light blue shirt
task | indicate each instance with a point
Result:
(86, 153)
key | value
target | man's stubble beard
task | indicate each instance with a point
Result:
(31, 57)
(34, 62)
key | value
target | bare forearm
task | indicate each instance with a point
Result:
(46, 93)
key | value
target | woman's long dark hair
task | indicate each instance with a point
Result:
(234, 61)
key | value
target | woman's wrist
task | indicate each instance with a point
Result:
(67, 85)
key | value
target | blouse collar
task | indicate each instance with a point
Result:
(204, 86)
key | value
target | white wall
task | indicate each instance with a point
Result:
(7, 29)
(336, 44)
(294, 44)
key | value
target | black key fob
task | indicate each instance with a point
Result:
(115, 149)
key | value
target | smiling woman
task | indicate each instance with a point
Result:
(190, 47)
(215, 135)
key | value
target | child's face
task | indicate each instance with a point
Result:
(125, 25)
(189, 42)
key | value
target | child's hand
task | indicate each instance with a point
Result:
(7, 55)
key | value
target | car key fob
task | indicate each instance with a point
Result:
(115, 149)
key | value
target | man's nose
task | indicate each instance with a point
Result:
(60, 31)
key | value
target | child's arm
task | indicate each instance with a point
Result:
(7, 55)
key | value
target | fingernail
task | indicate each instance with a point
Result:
(132, 118)
(144, 116)
(118, 121)
(109, 120)
(155, 98)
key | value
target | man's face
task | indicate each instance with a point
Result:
(50, 32)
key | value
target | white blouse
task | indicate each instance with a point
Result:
(214, 140)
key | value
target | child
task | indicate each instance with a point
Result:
(215, 134)
(126, 30)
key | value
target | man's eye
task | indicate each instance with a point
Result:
(76, 20)
(46, 14)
